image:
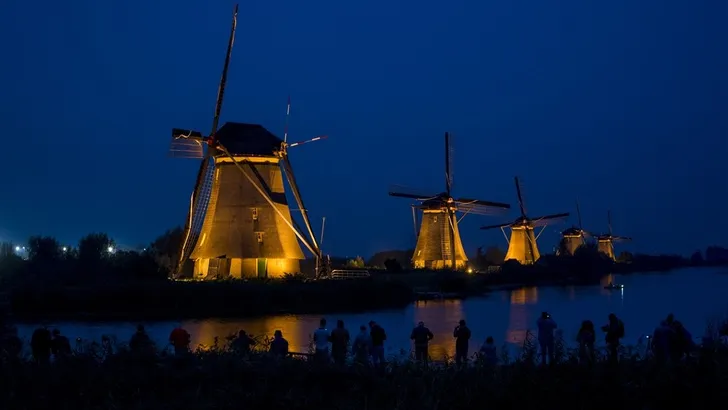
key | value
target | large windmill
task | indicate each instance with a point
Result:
(605, 242)
(239, 223)
(574, 237)
(522, 243)
(438, 241)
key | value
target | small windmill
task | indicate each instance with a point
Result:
(574, 237)
(438, 240)
(522, 243)
(605, 242)
(239, 223)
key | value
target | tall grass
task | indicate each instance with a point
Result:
(216, 377)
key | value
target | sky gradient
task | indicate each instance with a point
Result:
(621, 104)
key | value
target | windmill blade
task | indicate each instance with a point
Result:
(478, 207)
(223, 78)
(548, 219)
(186, 144)
(320, 137)
(467, 201)
(609, 221)
(504, 225)
(621, 238)
(448, 165)
(578, 213)
(414, 219)
(404, 192)
(520, 198)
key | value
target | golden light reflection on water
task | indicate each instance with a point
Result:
(604, 281)
(203, 333)
(518, 316)
(441, 317)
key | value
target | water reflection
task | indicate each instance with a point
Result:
(518, 320)
(295, 330)
(441, 317)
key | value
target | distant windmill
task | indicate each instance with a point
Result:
(574, 237)
(522, 243)
(605, 242)
(438, 241)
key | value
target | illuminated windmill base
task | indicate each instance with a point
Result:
(433, 250)
(242, 236)
(606, 246)
(571, 240)
(522, 245)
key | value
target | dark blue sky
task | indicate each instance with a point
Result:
(623, 104)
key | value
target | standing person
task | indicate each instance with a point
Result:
(362, 345)
(279, 345)
(339, 342)
(662, 342)
(614, 332)
(462, 338)
(321, 339)
(421, 336)
(140, 343)
(488, 352)
(378, 336)
(179, 338)
(586, 338)
(546, 327)
(40, 344)
(60, 346)
(243, 343)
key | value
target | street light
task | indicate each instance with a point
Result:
(110, 249)
(17, 249)
(64, 249)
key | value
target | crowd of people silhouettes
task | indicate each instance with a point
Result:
(670, 341)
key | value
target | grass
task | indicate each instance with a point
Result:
(217, 378)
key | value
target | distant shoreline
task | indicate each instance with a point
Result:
(173, 301)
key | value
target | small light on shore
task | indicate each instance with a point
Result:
(110, 249)
(17, 249)
(470, 270)
(64, 249)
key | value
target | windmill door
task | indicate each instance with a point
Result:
(262, 264)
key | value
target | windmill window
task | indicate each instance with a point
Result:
(434, 219)
(255, 213)
(259, 235)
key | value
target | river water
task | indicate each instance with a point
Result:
(695, 296)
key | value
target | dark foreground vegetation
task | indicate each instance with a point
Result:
(95, 280)
(220, 378)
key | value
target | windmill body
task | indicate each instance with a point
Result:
(239, 223)
(242, 235)
(522, 244)
(572, 238)
(605, 242)
(438, 240)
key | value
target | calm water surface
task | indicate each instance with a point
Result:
(693, 295)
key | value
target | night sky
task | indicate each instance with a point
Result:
(621, 104)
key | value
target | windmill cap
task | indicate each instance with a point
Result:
(247, 139)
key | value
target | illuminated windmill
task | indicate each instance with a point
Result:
(522, 243)
(605, 242)
(239, 223)
(574, 237)
(438, 241)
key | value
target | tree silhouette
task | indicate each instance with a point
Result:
(94, 247)
(43, 249)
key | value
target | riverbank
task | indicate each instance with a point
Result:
(164, 300)
(174, 300)
(222, 379)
